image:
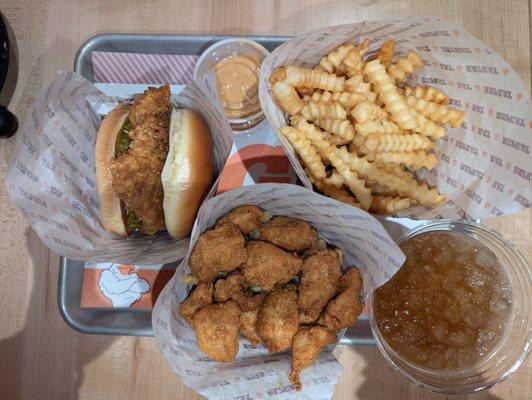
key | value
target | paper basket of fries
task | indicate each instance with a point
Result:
(253, 372)
(413, 117)
(52, 175)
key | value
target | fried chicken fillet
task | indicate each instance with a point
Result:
(216, 327)
(344, 309)
(200, 296)
(320, 276)
(219, 250)
(306, 346)
(268, 265)
(292, 234)
(278, 318)
(137, 171)
(247, 218)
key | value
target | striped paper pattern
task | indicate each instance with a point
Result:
(113, 67)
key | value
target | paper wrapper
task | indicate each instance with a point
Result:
(255, 374)
(52, 178)
(484, 166)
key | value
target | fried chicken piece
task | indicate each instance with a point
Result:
(292, 234)
(320, 276)
(247, 218)
(248, 319)
(219, 250)
(306, 346)
(278, 318)
(268, 265)
(232, 288)
(136, 172)
(200, 296)
(216, 327)
(344, 309)
(155, 102)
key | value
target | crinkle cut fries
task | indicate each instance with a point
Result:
(360, 132)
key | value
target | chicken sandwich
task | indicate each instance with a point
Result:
(154, 166)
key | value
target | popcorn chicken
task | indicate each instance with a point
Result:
(306, 346)
(267, 265)
(278, 318)
(320, 276)
(217, 251)
(344, 309)
(248, 320)
(289, 233)
(200, 296)
(216, 327)
(246, 217)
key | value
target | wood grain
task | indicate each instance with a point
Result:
(40, 356)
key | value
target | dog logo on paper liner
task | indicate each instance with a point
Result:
(121, 285)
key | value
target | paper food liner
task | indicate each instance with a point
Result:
(485, 166)
(51, 177)
(255, 374)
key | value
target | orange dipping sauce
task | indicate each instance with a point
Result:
(237, 82)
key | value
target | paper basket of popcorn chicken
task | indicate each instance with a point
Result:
(413, 117)
(274, 275)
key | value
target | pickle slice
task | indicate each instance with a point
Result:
(133, 222)
(123, 140)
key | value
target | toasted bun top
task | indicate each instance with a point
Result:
(188, 171)
(111, 210)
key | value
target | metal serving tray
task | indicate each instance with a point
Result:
(137, 322)
(156, 44)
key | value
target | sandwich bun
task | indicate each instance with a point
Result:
(188, 171)
(112, 213)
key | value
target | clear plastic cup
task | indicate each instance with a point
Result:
(226, 48)
(516, 340)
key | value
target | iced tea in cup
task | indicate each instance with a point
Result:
(456, 317)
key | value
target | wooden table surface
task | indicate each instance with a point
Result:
(40, 356)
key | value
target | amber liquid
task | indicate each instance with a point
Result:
(448, 305)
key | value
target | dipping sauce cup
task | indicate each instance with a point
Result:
(236, 64)
(501, 359)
